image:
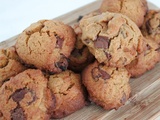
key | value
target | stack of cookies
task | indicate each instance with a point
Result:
(54, 69)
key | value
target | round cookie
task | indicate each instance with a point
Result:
(26, 97)
(150, 28)
(9, 64)
(47, 45)
(107, 86)
(146, 60)
(134, 9)
(112, 38)
(69, 97)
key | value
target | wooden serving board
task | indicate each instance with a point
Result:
(144, 103)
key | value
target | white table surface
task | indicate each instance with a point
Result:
(16, 15)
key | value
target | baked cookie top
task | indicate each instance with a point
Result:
(26, 97)
(68, 91)
(112, 38)
(134, 9)
(107, 86)
(46, 44)
(9, 64)
(150, 28)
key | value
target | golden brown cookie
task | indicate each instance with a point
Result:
(9, 64)
(150, 28)
(112, 38)
(134, 9)
(69, 97)
(146, 60)
(47, 45)
(26, 97)
(107, 86)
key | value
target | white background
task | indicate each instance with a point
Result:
(16, 15)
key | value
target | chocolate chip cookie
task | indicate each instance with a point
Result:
(47, 45)
(151, 26)
(107, 86)
(9, 64)
(112, 38)
(134, 9)
(26, 97)
(146, 60)
(69, 97)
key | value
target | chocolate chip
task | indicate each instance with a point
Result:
(59, 42)
(97, 73)
(18, 114)
(104, 75)
(123, 99)
(102, 42)
(62, 63)
(79, 18)
(19, 94)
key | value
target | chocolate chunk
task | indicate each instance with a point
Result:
(59, 42)
(18, 114)
(102, 42)
(104, 75)
(19, 94)
(98, 73)
(79, 18)
(123, 99)
(62, 63)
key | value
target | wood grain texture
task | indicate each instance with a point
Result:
(144, 103)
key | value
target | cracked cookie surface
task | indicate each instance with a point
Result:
(112, 38)
(26, 97)
(47, 45)
(134, 9)
(107, 86)
(146, 60)
(67, 89)
(9, 64)
(151, 26)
